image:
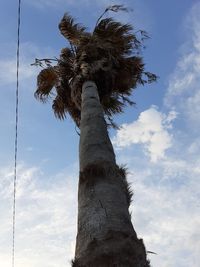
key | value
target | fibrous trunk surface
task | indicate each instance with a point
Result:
(106, 237)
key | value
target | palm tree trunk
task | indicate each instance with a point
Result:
(105, 235)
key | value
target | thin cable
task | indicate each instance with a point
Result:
(16, 132)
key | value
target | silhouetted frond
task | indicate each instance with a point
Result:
(44, 62)
(111, 123)
(113, 8)
(112, 105)
(150, 77)
(65, 64)
(59, 108)
(130, 69)
(70, 30)
(109, 56)
(151, 252)
(116, 8)
(144, 35)
(46, 80)
(115, 36)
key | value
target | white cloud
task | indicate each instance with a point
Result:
(8, 71)
(165, 214)
(166, 200)
(166, 209)
(194, 147)
(45, 217)
(151, 129)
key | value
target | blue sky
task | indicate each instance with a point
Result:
(158, 139)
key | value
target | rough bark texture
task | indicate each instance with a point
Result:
(106, 237)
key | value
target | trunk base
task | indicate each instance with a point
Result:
(117, 250)
(118, 246)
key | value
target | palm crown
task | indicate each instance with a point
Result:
(109, 56)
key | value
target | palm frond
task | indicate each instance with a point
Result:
(109, 56)
(66, 54)
(59, 108)
(46, 80)
(113, 8)
(151, 77)
(66, 64)
(70, 30)
(110, 123)
(64, 103)
(112, 105)
(127, 100)
(116, 36)
(116, 8)
(128, 74)
(44, 62)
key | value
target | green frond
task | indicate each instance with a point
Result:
(46, 80)
(70, 30)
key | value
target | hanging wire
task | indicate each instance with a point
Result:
(16, 133)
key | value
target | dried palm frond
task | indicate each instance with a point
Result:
(113, 105)
(116, 8)
(44, 62)
(115, 36)
(113, 8)
(109, 56)
(151, 77)
(65, 64)
(70, 30)
(46, 80)
(59, 108)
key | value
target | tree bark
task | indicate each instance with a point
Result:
(106, 237)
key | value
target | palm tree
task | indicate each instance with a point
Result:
(93, 80)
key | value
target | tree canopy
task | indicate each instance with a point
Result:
(110, 56)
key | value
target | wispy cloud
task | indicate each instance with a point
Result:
(166, 200)
(166, 209)
(28, 53)
(45, 218)
(183, 91)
